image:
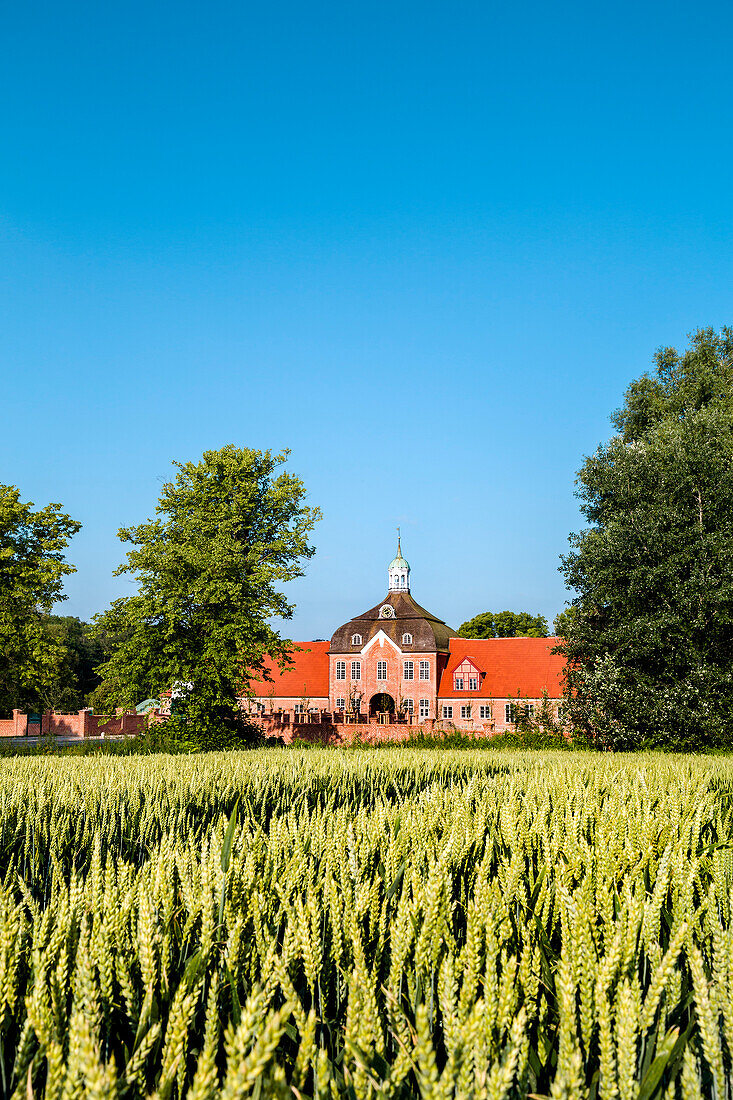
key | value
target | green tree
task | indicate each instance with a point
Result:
(229, 530)
(504, 624)
(82, 650)
(649, 646)
(563, 622)
(32, 571)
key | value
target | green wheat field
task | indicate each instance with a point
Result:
(397, 923)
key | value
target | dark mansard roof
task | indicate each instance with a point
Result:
(430, 634)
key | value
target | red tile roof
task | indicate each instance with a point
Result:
(307, 675)
(512, 666)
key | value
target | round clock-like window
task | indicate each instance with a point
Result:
(386, 611)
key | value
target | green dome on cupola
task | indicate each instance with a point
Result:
(399, 571)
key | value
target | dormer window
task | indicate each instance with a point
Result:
(356, 639)
(467, 676)
(407, 639)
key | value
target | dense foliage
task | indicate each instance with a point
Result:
(82, 650)
(504, 624)
(32, 571)
(400, 924)
(229, 532)
(562, 624)
(650, 639)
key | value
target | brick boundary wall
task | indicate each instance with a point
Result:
(15, 726)
(346, 733)
(82, 724)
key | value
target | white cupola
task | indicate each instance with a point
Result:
(399, 572)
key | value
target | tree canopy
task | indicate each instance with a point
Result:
(650, 639)
(229, 531)
(32, 571)
(81, 650)
(562, 624)
(504, 624)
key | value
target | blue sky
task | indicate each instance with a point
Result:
(425, 246)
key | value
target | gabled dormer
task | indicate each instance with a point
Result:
(467, 676)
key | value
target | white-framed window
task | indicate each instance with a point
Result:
(484, 711)
(512, 711)
(407, 639)
(340, 703)
(409, 705)
(299, 708)
(424, 708)
(341, 670)
(356, 639)
(447, 711)
(356, 670)
(381, 670)
(473, 683)
(403, 581)
(425, 670)
(466, 711)
(458, 683)
(409, 670)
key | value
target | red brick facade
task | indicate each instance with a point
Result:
(382, 667)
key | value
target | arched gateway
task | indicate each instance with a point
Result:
(381, 703)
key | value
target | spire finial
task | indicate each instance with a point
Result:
(399, 570)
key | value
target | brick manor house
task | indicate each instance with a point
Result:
(398, 662)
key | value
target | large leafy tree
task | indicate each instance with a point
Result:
(229, 531)
(504, 624)
(82, 649)
(562, 624)
(650, 640)
(32, 571)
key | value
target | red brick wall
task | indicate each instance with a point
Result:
(15, 726)
(334, 733)
(64, 725)
(346, 733)
(497, 723)
(329, 732)
(81, 724)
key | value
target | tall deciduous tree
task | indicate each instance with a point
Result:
(504, 624)
(229, 530)
(563, 622)
(82, 650)
(32, 571)
(650, 641)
